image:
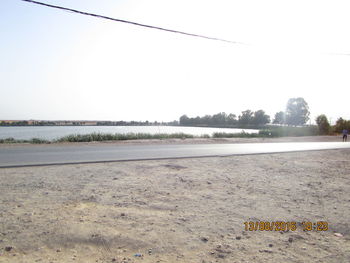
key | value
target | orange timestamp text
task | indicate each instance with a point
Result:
(285, 226)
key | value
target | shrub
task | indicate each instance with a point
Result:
(323, 124)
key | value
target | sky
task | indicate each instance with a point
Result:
(57, 65)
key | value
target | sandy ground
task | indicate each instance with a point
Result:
(190, 210)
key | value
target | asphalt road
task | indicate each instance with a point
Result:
(16, 156)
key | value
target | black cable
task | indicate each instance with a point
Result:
(129, 22)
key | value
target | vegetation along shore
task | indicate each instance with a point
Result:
(270, 132)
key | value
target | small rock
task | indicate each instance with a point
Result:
(290, 240)
(238, 237)
(8, 248)
(122, 214)
(58, 250)
(338, 235)
(204, 239)
(270, 245)
(114, 260)
(138, 255)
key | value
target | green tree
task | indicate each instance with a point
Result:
(184, 120)
(260, 118)
(342, 124)
(219, 118)
(280, 118)
(246, 117)
(323, 124)
(206, 120)
(297, 112)
(231, 119)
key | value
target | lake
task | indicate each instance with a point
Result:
(55, 132)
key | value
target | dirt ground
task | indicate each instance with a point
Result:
(190, 210)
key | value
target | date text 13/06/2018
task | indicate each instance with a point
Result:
(285, 226)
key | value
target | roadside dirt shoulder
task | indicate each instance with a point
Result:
(191, 210)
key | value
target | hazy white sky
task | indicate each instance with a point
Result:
(60, 65)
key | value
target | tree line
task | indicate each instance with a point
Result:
(221, 119)
(297, 113)
(325, 128)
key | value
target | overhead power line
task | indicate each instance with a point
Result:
(130, 22)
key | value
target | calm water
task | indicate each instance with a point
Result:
(55, 132)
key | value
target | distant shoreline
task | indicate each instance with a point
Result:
(138, 125)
